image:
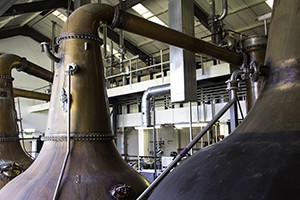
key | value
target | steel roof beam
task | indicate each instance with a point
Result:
(201, 14)
(35, 7)
(25, 31)
(128, 45)
(5, 5)
(125, 5)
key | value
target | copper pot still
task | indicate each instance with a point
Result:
(261, 159)
(13, 159)
(93, 168)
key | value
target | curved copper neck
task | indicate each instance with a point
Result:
(10, 61)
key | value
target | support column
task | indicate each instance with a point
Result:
(143, 139)
(182, 62)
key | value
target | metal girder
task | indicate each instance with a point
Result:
(201, 14)
(5, 5)
(25, 31)
(125, 5)
(128, 45)
(78, 3)
(35, 7)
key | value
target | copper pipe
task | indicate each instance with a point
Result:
(33, 69)
(30, 94)
(87, 18)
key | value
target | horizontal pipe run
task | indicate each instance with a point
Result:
(85, 20)
(35, 70)
(30, 94)
(152, 30)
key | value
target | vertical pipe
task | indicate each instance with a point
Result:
(190, 124)
(111, 57)
(53, 44)
(154, 137)
(115, 121)
(71, 68)
(19, 118)
(105, 41)
(121, 50)
(161, 66)
(233, 113)
(266, 27)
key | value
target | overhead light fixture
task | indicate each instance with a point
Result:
(147, 14)
(270, 3)
(264, 17)
(59, 15)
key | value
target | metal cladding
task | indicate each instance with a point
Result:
(261, 159)
(94, 168)
(13, 160)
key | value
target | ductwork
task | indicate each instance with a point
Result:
(261, 158)
(151, 92)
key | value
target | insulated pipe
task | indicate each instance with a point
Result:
(225, 10)
(85, 22)
(30, 94)
(151, 92)
(232, 87)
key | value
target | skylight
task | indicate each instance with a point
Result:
(147, 14)
(270, 3)
(59, 15)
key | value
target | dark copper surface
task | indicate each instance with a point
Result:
(261, 159)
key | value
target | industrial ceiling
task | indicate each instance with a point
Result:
(42, 19)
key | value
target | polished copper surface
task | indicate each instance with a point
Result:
(11, 152)
(95, 169)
